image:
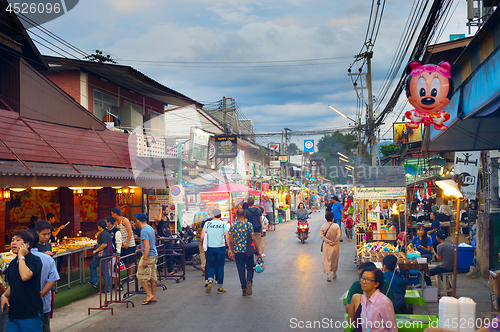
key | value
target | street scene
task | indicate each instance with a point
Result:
(244, 165)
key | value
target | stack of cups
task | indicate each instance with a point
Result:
(449, 313)
(467, 314)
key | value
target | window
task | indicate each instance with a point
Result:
(104, 104)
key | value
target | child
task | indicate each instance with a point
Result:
(348, 226)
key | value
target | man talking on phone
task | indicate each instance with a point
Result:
(22, 298)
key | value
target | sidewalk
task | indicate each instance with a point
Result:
(476, 289)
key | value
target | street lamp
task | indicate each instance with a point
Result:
(343, 155)
(452, 188)
(341, 114)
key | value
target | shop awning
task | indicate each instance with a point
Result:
(218, 176)
(199, 181)
(475, 107)
(14, 174)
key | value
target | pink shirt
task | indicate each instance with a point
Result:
(377, 313)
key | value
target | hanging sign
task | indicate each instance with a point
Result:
(226, 146)
(283, 159)
(467, 168)
(429, 89)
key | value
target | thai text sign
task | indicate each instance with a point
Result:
(226, 146)
(379, 192)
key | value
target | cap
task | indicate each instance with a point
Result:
(141, 216)
(440, 233)
(216, 212)
(203, 205)
(117, 211)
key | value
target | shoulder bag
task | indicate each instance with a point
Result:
(326, 235)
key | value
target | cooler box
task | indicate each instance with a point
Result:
(465, 258)
(430, 294)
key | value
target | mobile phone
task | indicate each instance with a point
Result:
(5, 307)
(67, 223)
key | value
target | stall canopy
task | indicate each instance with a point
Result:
(387, 182)
(234, 187)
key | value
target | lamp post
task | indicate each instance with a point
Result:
(451, 188)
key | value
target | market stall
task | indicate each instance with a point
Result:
(378, 191)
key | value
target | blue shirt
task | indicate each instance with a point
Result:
(148, 233)
(416, 242)
(49, 273)
(398, 287)
(436, 224)
(337, 210)
(215, 233)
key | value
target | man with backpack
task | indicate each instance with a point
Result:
(116, 240)
(254, 216)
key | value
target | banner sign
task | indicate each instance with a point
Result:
(467, 167)
(403, 135)
(199, 146)
(226, 146)
(309, 145)
(379, 192)
(218, 200)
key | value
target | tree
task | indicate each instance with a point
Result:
(389, 150)
(98, 56)
(293, 148)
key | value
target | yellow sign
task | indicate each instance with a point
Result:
(283, 159)
(403, 135)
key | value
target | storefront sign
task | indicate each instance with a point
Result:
(274, 164)
(467, 167)
(379, 193)
(403, 135)
(283, 159)
(218, 200)
(155, 204)
(274, 147)
(226, 146)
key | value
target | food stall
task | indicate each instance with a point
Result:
(377, 192)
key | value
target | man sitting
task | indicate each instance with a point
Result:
(445, 254)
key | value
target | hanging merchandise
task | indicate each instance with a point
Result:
(429, 89)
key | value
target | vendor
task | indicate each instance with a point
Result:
(422, 242)
(356, 286)
(435, 225)
(445, 254)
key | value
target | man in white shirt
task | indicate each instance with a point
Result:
(216, 229)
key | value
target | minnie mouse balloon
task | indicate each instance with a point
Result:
(429, 89)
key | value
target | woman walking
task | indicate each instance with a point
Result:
(330, 234)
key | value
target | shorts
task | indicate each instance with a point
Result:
(149, 273)
(125, 252)
(263, 234)
(270, 217)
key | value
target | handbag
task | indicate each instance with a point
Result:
(325, 236)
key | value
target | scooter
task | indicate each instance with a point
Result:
(303, 228)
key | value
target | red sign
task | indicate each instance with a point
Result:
(218, 200)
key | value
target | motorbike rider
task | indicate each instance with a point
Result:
(301, 213)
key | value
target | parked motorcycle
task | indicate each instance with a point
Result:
(303, 228)
(191, 249)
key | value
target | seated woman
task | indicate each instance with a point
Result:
(422, 243)
(397, 283)
(372, 310)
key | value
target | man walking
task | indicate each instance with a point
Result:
(329, 206)
(238, 235)
(216, 229)
(254, 216)
(337, 213)
(146, 271)
(198, 218)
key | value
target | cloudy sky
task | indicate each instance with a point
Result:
(231, 33)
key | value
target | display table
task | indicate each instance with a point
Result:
(81, 264)
(411, 323)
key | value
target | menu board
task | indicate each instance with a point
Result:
(218, 200)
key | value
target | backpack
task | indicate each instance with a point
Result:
(255, 219)
(113, 239)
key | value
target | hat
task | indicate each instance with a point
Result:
(117, 211)
(141, 217)
(203, 205)
(216, 212)
(440, 233)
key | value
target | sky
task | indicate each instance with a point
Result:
(228, 32)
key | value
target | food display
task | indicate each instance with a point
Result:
(378, 246)
(72, 244)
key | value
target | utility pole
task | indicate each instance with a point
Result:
(287, 139)
(371, 129)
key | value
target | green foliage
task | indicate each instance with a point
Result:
(389, 150)
(293, 148)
